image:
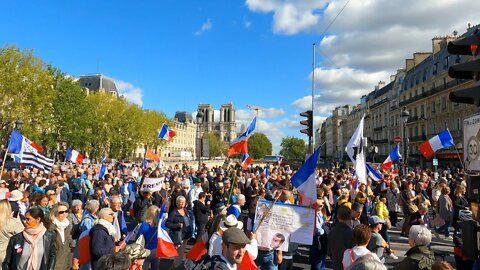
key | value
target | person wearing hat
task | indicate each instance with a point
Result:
(234, 242)
(15, 203)
(215, 242)
(377, 244)
(137, 254)
(219, 195)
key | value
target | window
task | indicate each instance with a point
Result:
(445, 63)
(446, 126)
(433, 106)
(434, 128)
(444, 103)
(459, 127)
(444, 82)
(416, 131)
(422, 111)
(435, 67)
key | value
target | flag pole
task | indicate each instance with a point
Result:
(231, 189)
(459, 158)
(3, 162)
(268, 212)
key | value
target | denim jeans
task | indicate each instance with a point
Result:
(444, 228)
(266, 260)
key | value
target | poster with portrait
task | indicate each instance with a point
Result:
(284, 223)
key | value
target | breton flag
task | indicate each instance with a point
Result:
(28, 152)
(166, 133)
(442, 140)
(394, 156)
(305, 182)
(355, 151)
(239, 145)
(165, 246)
(373, 173)
(246, 160)
(74, 156)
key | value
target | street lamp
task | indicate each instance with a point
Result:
(18, 123)
(199, 141)
(405, 116)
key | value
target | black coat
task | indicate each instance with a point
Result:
(174, 218)
(12, 257)
(140, 207)
(101, 243)
(201, 211)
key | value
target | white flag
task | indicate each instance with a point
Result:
(354, 150)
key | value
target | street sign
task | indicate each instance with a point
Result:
(471, 142)
(435, 162)
(397, 139)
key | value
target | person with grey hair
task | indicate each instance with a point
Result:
(102, 237)
(236, 209)
(75, 217)
(367, 262)
(180, 226)
(419, 256)
(90, 215)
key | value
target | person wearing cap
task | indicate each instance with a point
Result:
(234, 242)
(215, 242)
(219, 195)
(377, 244)
(137, 254)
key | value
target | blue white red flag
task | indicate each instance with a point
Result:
(305, 182)
(165, 246)
(239, 145)
(394, 156)
(442, 140)
(166, 133)
(246, 160)
(74, 156)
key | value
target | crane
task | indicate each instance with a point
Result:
(258, 109)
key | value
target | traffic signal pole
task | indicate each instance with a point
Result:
(311, 138)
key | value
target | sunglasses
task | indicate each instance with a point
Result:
(62, 212)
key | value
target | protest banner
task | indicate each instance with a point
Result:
(283, 224)
(152, 184)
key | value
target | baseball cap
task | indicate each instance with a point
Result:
(136, 251)
(372, 220)
(235, 236)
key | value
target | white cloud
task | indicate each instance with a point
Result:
(206, 26)
(132, 93)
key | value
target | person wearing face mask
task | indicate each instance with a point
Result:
(34, 248)
(60, 225)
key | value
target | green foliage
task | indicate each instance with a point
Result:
(217, 147)
(293, 148)
(259, 146)
(55, 109)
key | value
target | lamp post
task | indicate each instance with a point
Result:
(405, 116)
(199, 140)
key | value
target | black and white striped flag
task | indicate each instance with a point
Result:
(31, 156)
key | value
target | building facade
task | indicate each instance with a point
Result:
(422, 89)
(225, 127)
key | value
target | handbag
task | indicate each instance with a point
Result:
(412, 208)
(176, 237)
(387, 223)
(438, 221)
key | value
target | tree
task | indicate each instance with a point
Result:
(293, 148)
(216, 146)
(259, 146)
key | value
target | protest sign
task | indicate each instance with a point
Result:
(152, 184)
(284, 223)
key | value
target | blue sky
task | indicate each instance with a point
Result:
(172, 55)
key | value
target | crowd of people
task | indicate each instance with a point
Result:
(44, 215)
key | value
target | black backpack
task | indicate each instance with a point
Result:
(77, 185)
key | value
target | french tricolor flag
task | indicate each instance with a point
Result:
(74, 156)
(166, 133)
(84, 248)
(373, 174)
(394, 156)
(239, 145)
(199, 248)
(305, 182)
(442, 140)
(165, 247)
(246, 160)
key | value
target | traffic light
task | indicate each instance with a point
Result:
(469, 70)
(308, 122)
